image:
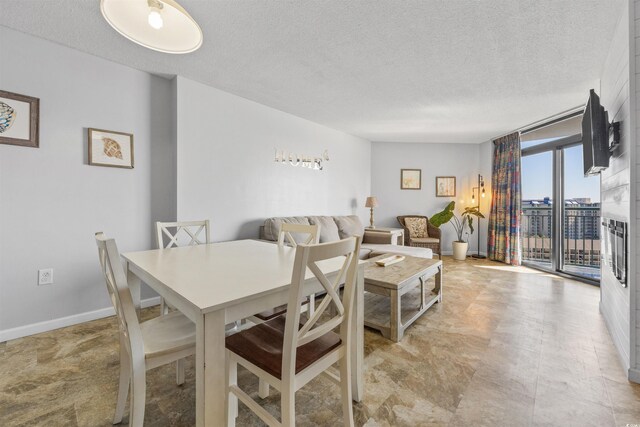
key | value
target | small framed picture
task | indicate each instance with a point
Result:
(445, 186)
(19, 119)
(110, 148)
(410, 179)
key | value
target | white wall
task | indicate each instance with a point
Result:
(634, 232)
(460, 160)
(52, 202)
(226, 170)
(614, 187)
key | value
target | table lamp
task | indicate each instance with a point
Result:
(371, 202)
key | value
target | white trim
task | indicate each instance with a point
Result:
(50, 325)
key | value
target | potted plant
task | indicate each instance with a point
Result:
(460, 225)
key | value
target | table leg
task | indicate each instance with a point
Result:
(395, 322)
(357, 338)
(134, 287)
(438, 287)
(210, 370)
(423, 296)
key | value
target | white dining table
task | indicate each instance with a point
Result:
(219, 283)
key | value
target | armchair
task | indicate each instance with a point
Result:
(429, 238)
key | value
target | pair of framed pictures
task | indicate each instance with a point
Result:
(411, 179)
(20, 125)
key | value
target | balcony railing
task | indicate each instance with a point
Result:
(581, 243)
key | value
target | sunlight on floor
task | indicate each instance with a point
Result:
(519, 269)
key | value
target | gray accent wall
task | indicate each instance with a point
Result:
(52, 202)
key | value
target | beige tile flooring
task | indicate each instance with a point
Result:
(508, 347)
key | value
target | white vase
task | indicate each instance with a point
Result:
(460, 250)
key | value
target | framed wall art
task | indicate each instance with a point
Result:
(110, 148)
(19, 119)
(410, 179)
(445, 186)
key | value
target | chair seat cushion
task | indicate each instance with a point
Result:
(262, 344)
(168, 334)
(424, 240)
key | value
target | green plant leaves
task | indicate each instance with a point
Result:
(444, 216)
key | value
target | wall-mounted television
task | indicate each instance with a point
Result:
(595, 136)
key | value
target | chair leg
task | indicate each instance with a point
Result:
(231, 408)
(345, 385)
(312, 304)
(288, 405)
(138, 396)
(180, 372)
(263, 388)
(123, 388)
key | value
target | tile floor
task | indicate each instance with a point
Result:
(508, 347)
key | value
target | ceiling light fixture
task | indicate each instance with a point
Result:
(161, 25)
(155, 15)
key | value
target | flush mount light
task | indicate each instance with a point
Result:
(161, 25)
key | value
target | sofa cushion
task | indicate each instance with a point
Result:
(349, 226)
(272, 227)
(328, 228)
(417, 227)
(400, 250)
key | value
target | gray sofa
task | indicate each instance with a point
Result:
(334, 228)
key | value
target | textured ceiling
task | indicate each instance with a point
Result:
(386, 70)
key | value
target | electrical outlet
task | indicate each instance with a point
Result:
(45, 276)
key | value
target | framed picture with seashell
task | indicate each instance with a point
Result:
(110, 148)
(19, 119)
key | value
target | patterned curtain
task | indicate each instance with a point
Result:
(506, 201)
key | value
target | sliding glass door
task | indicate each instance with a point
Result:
(580, 217)
(561, 237)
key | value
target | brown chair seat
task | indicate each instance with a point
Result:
(261, 345)
(275, 312)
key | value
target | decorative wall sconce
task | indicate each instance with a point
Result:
(315, 163)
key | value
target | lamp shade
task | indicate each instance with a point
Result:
(371, 202)
(161, 25)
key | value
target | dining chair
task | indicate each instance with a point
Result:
(288, 354)
(183, 233)
(285, 237)
(143, 346)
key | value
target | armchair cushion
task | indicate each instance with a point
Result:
(328, 228)
(349, 226)
(417, 227)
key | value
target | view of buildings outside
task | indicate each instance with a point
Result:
(581, 221)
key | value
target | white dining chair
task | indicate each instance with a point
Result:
(143, 346)
(288, 354)
(183, 233)
(286, 238)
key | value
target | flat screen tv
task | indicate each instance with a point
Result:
(595, 136)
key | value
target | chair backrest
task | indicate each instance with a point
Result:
(401, 219)
(286, 229)
(308, 257)
(120, 295)
(184, 233)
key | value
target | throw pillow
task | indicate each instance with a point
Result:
(328, 228)
(417, 227)
(349, 226)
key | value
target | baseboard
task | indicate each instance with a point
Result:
(634, 375)
(50, 325)
(468, 254)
